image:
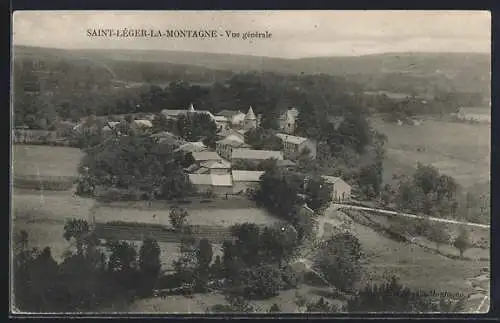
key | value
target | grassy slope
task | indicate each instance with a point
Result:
(459, 150)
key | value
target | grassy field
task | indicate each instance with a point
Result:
(459, 150)
(197, 216)
(45, 160)
(416, 268)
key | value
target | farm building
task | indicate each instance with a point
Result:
(477, 114)
(203, 156)
(341, 191)
(293, 146)
(251, 155)
(243, 180)
(212, 183)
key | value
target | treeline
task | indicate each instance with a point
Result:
(429, 192)
(256, 265)
(136, 164)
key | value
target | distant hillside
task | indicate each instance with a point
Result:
(468, 72)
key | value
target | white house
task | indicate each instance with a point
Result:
(141, 125)
(476, 114)
(341, 191)
(288, 120)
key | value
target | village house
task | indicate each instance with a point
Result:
(341, 191)
(225, 146)
(218, 185)
(294, 146)
(234, 118)
(288, 119)
(245, 180)
(475, 114)
(175, 114)
(255, 156)
(216, 167)
(222, 123)
(203, 156)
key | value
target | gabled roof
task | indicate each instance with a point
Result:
(216, 164)
(172, 113)
(229, 113)
(247, 175)
(192, 147)
(221, 118)
(205, 155)
(143, 123)
(210, 179)
(243, 153)
(291, 139)
(332, 179)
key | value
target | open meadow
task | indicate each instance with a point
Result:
(456, 149)
(45, 160)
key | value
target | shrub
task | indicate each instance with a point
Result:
(261, 282)
(291, 279)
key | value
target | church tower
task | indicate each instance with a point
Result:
(250, 121)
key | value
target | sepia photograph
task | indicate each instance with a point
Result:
(214, 162)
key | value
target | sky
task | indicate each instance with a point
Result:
(294, 33)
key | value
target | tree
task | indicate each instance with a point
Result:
(263, 139)
(462, 242)
(319, 193)
(339, 260)
(178, 217)
(77, 229)
(390, 297)
(439, 234)
(204, 255)
(149, 264)
(321, 306)
(261, 282)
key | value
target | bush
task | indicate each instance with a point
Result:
(261, 282)
(291, 279)
(46, 183)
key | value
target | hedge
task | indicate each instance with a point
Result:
(38, 183)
